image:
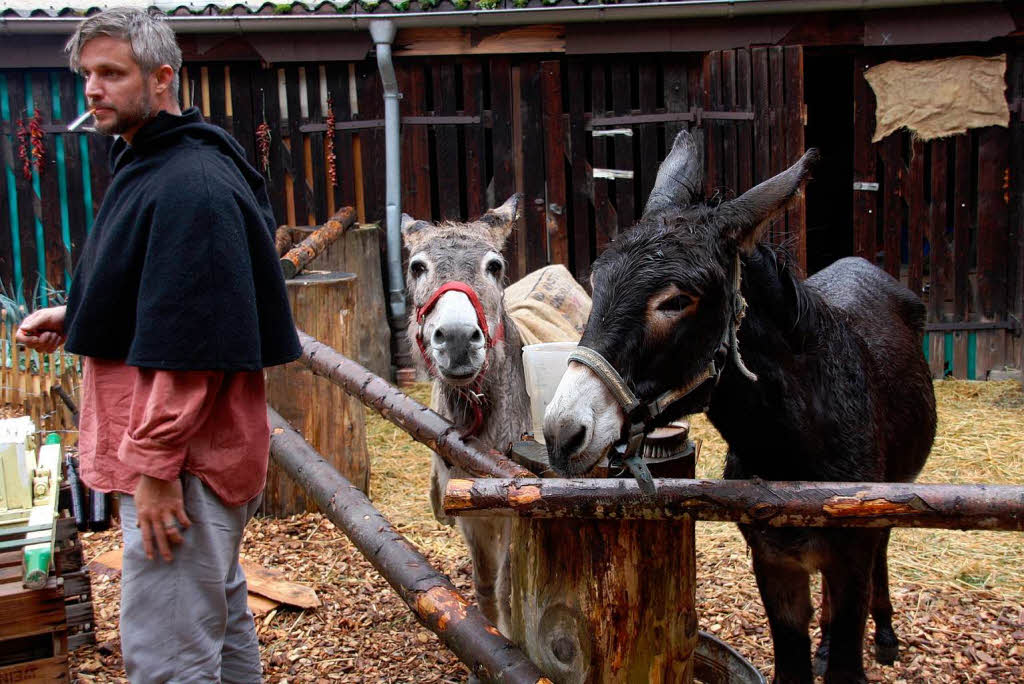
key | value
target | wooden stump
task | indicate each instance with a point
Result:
(358, 251)
(606, 601)
(324, 305)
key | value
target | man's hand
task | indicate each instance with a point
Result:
(160, 508)
(42, 330)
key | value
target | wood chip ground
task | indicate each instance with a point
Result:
(959, 596)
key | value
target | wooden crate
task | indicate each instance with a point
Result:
(33, 627)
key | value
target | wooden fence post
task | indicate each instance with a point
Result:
(593, 602)
(329, 419)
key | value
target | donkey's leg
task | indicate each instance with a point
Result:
(886, 644)
(848, 571)
(821, 655)
(439, 476)
(481, 538)
(785, 592)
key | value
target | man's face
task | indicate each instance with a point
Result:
(115, 86)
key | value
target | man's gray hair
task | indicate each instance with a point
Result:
(151, 37)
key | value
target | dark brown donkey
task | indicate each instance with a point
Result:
(831, 385)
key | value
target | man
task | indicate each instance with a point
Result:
(176, 306)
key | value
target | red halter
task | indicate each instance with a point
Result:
(472, 393)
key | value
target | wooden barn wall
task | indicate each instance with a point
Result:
(581, 137)
(475, 130)
(945, 219)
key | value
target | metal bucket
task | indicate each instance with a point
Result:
(715, 662)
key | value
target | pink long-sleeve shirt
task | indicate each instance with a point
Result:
(140, 421)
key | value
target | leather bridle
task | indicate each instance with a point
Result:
(644, 416)
(473, 394)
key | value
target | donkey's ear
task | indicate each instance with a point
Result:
(680, 176)
(745, 218)
(411, 226)
(501, 220)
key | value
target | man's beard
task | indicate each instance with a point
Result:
(126, 119)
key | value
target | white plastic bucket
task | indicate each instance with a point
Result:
(544, 364)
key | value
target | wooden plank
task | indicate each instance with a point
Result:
(992, 241)
(475, 139)
(744, 129)
(647, 135)
(502, 153)
(960, 355)
(777, 117)
(625, 202)
(53, 669)
(26, 611)
(1015, 211)
(7, 239)
(892, 200)
(961, 227)
(793, 109)
(67, 85)
(266, 99)
(274, 584)
(344, 193)
(534, 204)
(712, 100)
(316, 159)
(218, 95)
(865, 203)
(940, 254)
(582, 182)
(415, 149)
(431, 42)
(762, 114)
(371, 142)
(605, 221)
(555, 139)
(446, 145)
(247, 111)
(730, 153)
(676, 94)
(937, 355)
(302, 193)
(917, 215)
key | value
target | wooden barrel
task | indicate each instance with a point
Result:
(607, 601)
(323, 305)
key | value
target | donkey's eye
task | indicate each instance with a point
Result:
(494, 267)
(417, 268)
(675, 304)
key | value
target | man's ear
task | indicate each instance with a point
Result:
(501, 220)
(164, 76)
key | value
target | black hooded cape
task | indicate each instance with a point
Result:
(180, 271)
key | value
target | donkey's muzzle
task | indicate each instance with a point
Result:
(458, 349)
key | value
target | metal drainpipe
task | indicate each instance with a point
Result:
(383, 33)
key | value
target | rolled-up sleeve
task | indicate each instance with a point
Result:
(167, 409)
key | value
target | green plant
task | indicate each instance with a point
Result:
(488, 4)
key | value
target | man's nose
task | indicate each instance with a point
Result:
(92, 88)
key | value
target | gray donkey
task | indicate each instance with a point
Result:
(471, 348)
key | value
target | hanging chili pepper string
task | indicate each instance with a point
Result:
(332, 169)
(38, 148)
(24, 153)
(263, 138)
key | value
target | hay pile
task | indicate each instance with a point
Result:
(958, 595)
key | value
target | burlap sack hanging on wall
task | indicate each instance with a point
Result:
(940, 97)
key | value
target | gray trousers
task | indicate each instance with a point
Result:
(188, 620)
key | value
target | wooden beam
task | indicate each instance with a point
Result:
(753, 502)
(431, 596)
(420, 422)
(431, 42)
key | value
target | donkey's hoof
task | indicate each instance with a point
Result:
(887, 647)
(886, 655)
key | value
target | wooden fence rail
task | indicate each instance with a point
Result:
(755, 502)
(431, 596)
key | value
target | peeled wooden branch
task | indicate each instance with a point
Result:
(769, 504)
(304, 252)
(420, 422)
(432, 597)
